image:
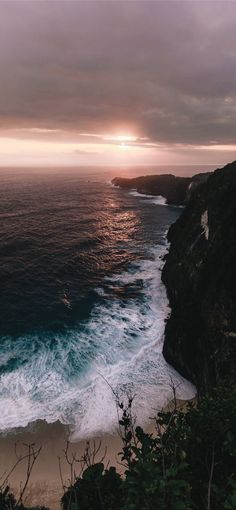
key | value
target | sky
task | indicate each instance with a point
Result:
(117, 82)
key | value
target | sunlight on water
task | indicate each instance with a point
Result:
(84, 304)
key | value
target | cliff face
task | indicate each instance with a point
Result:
(200, 276)
(176, 190)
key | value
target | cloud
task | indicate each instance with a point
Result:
(161, 70)
(80, 152)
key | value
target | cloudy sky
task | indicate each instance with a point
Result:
(117, 82)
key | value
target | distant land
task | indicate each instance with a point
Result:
(176, 190)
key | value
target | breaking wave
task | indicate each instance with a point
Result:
(153, 199)
(69, 376)
(116, 341)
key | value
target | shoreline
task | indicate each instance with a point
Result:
(45, 486)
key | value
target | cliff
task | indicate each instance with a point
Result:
(176, 190)
(200, 277)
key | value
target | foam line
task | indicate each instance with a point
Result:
(153, 199)
(121, 342)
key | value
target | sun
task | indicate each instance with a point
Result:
(121, 138)
(125, 138)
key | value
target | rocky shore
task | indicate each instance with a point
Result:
(176, 190)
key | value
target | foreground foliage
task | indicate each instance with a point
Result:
(187, 464)
(8, 502)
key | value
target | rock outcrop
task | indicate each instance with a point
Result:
(200, 277)
(176, 190)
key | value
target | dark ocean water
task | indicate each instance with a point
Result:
(81, 299)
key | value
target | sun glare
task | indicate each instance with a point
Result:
(121, 138)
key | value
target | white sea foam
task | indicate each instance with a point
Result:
(153, 199)
(121, 344)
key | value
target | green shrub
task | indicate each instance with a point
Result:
(188, 464)
(95, 490)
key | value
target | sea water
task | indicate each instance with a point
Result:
(83, 308)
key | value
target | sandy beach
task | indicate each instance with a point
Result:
(45, 487)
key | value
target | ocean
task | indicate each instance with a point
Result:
(83, 308)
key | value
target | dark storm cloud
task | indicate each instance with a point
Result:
(164, 69)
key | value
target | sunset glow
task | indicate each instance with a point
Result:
(42, 149)
(77, 91)
(117, 254)
(121, 138)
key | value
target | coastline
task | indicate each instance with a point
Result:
(45, 486)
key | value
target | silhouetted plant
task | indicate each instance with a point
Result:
(7, 500)
(187, 464)
(97, 489)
